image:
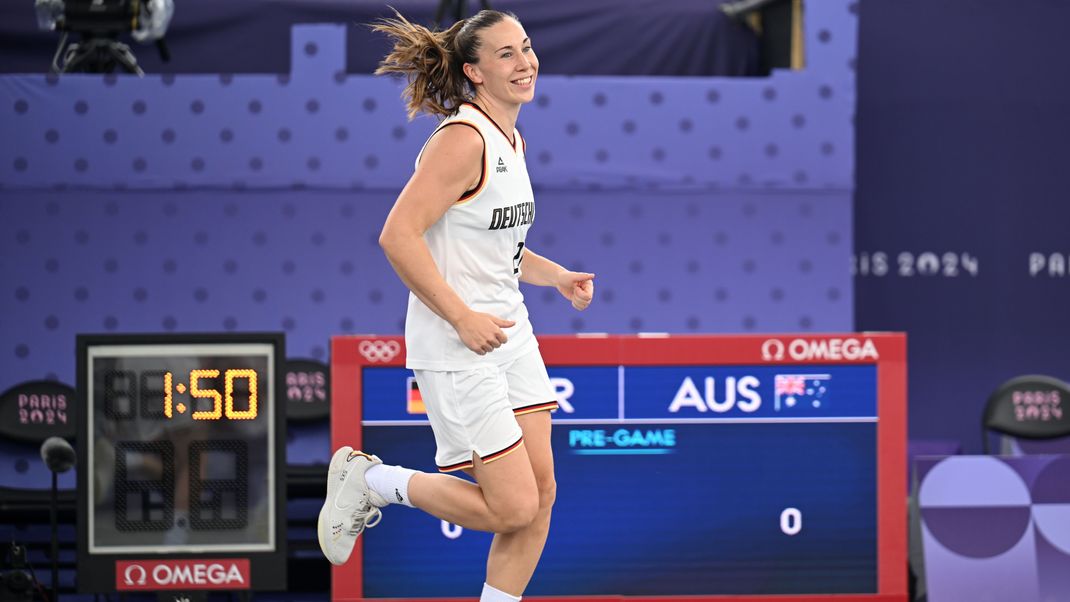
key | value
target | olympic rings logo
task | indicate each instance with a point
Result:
(379, 351)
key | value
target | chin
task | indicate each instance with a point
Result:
(528, 95)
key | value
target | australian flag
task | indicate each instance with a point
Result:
(801, 391)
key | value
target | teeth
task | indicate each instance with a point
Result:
(523, 82)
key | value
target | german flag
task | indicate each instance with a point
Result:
(415, 404)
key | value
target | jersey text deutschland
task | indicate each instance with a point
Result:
(520, 214)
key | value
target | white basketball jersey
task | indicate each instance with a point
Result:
(478, 246)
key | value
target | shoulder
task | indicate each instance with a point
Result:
(457, 138)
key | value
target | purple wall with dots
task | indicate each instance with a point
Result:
(253, 202)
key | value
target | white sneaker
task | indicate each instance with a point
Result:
(350, 505)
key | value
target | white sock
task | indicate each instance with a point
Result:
(490, 594)
(391, 482)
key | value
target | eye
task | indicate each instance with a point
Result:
(506, 55)
(527, 48)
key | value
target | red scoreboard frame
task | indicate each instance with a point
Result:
(887, 351)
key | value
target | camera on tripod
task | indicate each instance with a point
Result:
(100, 23)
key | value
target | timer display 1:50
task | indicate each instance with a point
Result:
(155, 392)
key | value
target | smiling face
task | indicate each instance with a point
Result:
(507, 67)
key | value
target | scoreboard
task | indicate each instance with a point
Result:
(181, 471)
(750, 468)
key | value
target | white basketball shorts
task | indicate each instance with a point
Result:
(475, 410)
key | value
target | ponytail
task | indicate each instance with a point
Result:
(433, 61)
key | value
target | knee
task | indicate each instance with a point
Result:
(530, 509)
(517, 514)
(547, 493)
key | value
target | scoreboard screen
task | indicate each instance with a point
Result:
(181, 456)
(711, 466)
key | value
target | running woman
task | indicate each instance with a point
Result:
(456, 237)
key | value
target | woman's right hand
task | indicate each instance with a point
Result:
(481, 332)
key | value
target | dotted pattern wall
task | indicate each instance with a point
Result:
(308, 263)
(318, 127)
(254, 202)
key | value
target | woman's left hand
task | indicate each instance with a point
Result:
(577, 287)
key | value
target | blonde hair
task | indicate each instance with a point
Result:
(433, 61)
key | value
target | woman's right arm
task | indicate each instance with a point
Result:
(450, 165)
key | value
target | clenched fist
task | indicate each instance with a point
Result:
(482, 332)
(577, 287)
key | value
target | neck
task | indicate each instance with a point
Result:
(503, 114)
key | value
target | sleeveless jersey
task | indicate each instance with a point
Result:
(478, 247)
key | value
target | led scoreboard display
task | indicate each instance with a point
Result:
(750, 468)
(181, 462)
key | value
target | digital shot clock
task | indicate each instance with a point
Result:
(181, 457)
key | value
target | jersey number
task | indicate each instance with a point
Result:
(518, 257)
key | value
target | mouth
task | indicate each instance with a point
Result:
(524, 82)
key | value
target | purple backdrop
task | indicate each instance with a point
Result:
(253, 202)
(960, 218)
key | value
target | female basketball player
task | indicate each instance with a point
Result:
(456, 237)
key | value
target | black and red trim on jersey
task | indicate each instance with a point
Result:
(482, 164)
(546, 406)
(485, 459)
(510, 139)
(458, 466)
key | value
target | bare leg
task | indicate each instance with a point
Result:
(514, 555)
(506, 498)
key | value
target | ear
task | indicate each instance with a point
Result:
(473, 73)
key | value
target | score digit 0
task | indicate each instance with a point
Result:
(222, 404)
(791, 521)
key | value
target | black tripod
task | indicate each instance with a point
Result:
(458, 9)
(95, 54)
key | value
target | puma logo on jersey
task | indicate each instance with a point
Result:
(512, 216)
(501, 166)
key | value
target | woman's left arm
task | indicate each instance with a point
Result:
(577, 287)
